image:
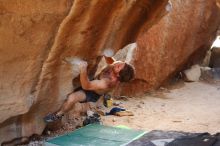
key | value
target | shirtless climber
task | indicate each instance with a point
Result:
(90, 91)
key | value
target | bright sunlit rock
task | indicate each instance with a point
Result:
(216, 42)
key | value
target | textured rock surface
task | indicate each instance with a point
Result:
(182, 36)
(218, 3)
(36, 37)
(193, 73)
(26, 33)
(27, 30)
(215, 58)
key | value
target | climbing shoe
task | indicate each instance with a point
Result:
(52, 118)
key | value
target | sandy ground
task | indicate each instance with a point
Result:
(192, 107)
(188, 107)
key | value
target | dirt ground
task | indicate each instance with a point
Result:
(189, 107)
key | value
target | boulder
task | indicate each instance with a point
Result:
(38, 37)
(179, 40)
(192, 74)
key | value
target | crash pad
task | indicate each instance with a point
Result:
(96, 135)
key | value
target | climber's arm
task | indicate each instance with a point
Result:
(90, 85)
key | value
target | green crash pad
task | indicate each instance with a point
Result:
(96, 135)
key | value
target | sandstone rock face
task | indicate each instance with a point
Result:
(38, 36)
(182, 36)
(27, 30)
(218, 3)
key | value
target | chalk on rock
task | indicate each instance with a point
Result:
(108, 52)
(169, 6)
(127, 53)
(75, 62)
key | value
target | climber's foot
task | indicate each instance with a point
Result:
(52, 118)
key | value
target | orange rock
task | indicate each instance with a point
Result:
(179, 40)
(37, 36)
